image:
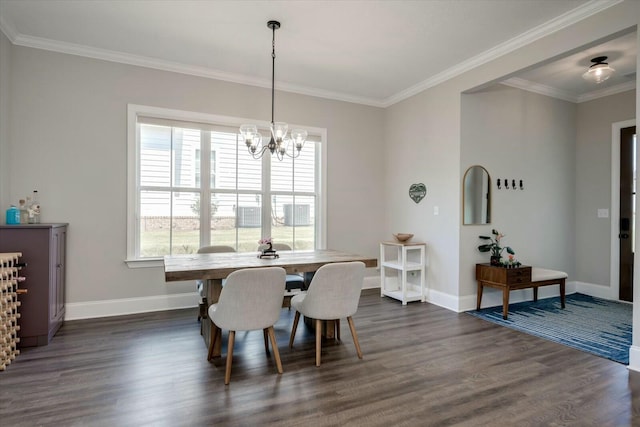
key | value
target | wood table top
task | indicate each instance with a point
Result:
(220, 265)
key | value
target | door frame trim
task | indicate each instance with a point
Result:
(614, 267)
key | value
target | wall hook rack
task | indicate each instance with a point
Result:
(515, 184)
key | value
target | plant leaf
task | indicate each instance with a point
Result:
(485, 237)
(510, 250)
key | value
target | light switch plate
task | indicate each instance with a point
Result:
(603, 213)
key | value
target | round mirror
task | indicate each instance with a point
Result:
(476, 196)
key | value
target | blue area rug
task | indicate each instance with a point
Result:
(590, 324)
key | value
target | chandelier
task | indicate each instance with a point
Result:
(599, 70)
(280, 143)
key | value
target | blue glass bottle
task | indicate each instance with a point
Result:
(13, 215)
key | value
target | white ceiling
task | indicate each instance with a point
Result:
(374, 52)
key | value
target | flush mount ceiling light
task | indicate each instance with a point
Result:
(279, 143)
(599, 71)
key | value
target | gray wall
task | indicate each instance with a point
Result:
(5, 95)
(593, 183)
(523, 136)
(423, 148)
(68, 140)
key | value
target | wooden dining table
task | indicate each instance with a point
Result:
(212, 268)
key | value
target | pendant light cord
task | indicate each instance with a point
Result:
(273, 73)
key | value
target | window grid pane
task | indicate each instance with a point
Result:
(169, 223)
(185, 144)
(293, 221)
(155, 155)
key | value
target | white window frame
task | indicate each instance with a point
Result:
(133, 172)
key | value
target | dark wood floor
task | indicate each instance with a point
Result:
(423, 366)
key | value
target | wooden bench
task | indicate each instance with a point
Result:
(523, 277)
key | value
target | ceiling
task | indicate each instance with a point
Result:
(374, 52)
(561, 78)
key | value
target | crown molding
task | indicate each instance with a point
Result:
(176, 67)
(540, 89)
(565, 20)
(320, 93)
(8, 29)
(564, 95)
(601, 93)
(569, 18)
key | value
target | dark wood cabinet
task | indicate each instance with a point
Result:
(523, 277)
(506, 279)
(504, 276)
(43, 248)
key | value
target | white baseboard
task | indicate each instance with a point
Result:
(124, 306)
(599, 291)
(119, 307)
(371, 282)
(634, 358)
(442, 299)
(490, 298)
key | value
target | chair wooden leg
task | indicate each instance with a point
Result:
(355, 337)
(293, 329)
(227, 373)
(274, 344)
(213, 337)
(266, 343)
(337, 330)
(318, 341)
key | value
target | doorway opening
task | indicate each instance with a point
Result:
(627, 234)
(623, 189)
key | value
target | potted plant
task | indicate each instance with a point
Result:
(494, 246)
(266, 248)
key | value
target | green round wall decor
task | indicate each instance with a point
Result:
(417, 192)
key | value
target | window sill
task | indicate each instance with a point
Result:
(144, 263)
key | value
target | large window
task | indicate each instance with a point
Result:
(175, 209)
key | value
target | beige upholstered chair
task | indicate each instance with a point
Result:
(202, 313)
(251, 299)
(215, 249)
(333, 294)
(281, 246)
(295, 282)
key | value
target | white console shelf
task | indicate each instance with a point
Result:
(402, 271)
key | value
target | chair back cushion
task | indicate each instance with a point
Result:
(250, 299)
(215, 249)
(334, 291)
(281, 247)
